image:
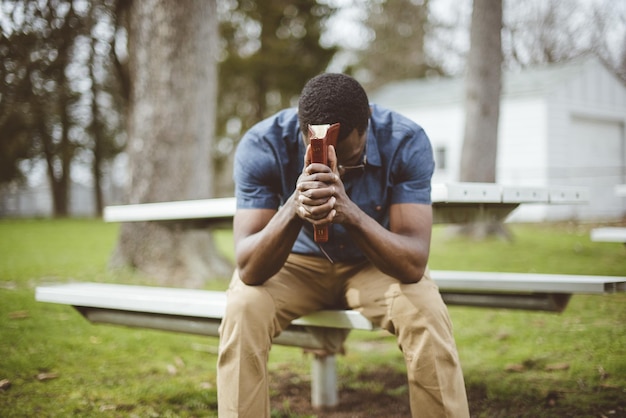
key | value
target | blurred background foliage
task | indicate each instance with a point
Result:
(64, 84)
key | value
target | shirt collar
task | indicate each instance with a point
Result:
(371, 150)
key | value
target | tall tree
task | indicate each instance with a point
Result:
(36, 90)
(173, 84)
(397, 49)
(269, 50)
(482, 93)
(107, 96)
(45, 67)
(482, 106)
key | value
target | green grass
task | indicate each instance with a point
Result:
(516, 363)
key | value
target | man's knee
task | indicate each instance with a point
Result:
(419, 309)
(249, 307)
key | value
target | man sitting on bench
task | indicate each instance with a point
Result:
(374, 196)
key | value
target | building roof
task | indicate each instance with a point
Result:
(527, 82)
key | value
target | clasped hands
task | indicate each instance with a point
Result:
(320, 194)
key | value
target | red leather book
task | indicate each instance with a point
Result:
(321, 136)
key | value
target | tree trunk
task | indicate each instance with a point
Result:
(96, 128)
(482, 100)
(172, 49)
(400, 28)
(482, 107)
(57, 165)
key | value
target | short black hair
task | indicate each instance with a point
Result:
(330, 98)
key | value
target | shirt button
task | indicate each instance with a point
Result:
(378, 208)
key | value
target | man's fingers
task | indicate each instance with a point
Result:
(332, 159)
(315, 196)
(307, 156)
(317, 213)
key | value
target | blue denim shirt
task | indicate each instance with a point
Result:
(398, 169)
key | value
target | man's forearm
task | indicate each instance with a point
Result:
(261, 255)
(401, 256)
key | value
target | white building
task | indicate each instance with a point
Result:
(560, 125)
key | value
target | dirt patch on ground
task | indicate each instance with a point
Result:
(382, 392)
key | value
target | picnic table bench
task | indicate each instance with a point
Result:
(200, 311)
(611, 233)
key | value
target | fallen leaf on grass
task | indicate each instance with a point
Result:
(503, 336)
(105, 408)
(556, 366)
(19, 315)
(205, 348)
(8, 286)
(179, 362)
(552, 399)
(518, 368)
(42, 377)
(171, 369)
(5, 384)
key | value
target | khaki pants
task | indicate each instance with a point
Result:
(415, 313)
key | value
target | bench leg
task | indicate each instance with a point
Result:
(324, 381)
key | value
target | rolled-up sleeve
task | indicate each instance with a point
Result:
(412, 171)
(256, 174)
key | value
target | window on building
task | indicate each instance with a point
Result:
(441, 157)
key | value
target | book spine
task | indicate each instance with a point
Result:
(320, 233)
(319, 151)
(321, 136)
(319, 154)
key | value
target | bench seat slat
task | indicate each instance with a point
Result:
(609, 234)
(175, 301)
(166, 211)
(480, 281)
(460, 286)
(292, 336)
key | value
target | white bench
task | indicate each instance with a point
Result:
(200, 311)
(609, 233)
